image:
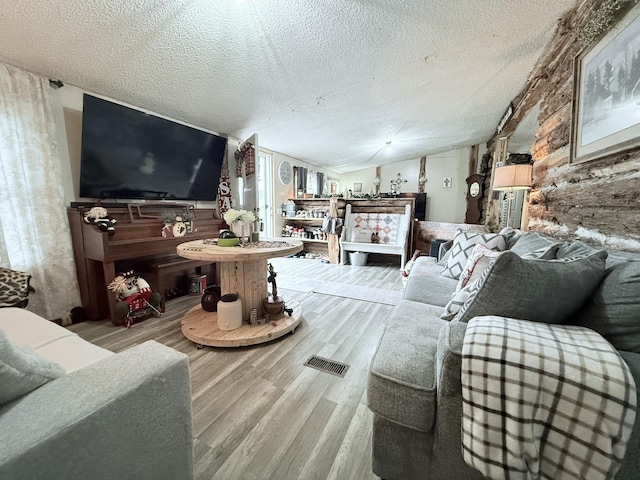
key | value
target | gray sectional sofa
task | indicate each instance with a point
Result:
(414, 386)
(70, 409)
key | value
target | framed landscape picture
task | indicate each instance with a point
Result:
(606, 106)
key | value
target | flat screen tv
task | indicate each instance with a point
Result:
(129, 154)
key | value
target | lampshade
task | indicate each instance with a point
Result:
(512, 177)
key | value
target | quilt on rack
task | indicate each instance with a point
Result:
(543, 401)
(384, 224)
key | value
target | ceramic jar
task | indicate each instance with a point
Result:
(229, 312)
(210, 299)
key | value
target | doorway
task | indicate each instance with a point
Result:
(265, 194)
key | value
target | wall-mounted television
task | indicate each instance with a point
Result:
(130, 154)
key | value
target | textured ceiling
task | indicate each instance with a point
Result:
(326, 81)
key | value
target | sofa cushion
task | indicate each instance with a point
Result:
(539, 290)
(73, 353)
(26, 328)
(614, 308)
(463, 245)
(23, 370)
(50, 340)
(402, 378)
(531, 241)
(425, 265)
(430, 289)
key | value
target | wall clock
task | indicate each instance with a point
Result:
(285, 172)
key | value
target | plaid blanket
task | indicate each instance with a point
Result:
(543, 401)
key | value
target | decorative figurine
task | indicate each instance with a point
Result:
(272, 280)
(273, 304)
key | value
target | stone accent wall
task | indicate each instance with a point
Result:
(598, 200)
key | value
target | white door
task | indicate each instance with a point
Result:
(265, 194)
(248, 183)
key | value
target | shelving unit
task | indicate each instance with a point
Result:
(313, 245)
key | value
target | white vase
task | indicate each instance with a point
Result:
(242, 230)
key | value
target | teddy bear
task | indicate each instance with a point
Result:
(98, 216)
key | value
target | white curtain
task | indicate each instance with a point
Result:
(34, 229)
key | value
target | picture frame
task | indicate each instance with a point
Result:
(606, 114)
(334, 187)
(357, 187)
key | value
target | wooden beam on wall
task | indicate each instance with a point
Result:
(422, 174)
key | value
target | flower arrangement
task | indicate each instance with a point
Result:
(234, 216)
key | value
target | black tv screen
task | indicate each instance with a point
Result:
(130, 154)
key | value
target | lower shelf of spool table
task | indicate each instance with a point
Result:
(201, 327)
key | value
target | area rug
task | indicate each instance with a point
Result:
(357, 292)
(298, 284)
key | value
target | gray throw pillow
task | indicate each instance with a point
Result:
(571, 249)
(543, 253)
(547, 291)
(614, 308)
(531, 241)
(463, 245)
(23, 370)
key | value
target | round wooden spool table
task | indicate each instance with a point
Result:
(243, 270)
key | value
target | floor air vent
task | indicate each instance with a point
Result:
(326, 365)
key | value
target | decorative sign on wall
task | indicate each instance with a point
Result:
(224, 188)
(446, 182)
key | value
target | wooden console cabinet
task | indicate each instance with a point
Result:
(137, 243)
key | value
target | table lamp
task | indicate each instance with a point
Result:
(510, 178)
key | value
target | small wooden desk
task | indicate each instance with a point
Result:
(243, 270)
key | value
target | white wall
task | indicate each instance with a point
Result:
(443, 204)
(447, 204)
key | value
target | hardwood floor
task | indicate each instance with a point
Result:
(258, 413)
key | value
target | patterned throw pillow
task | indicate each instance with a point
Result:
(458, 299)
(480, 259)
(463, 245)
(547, 291)
(14, 288)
